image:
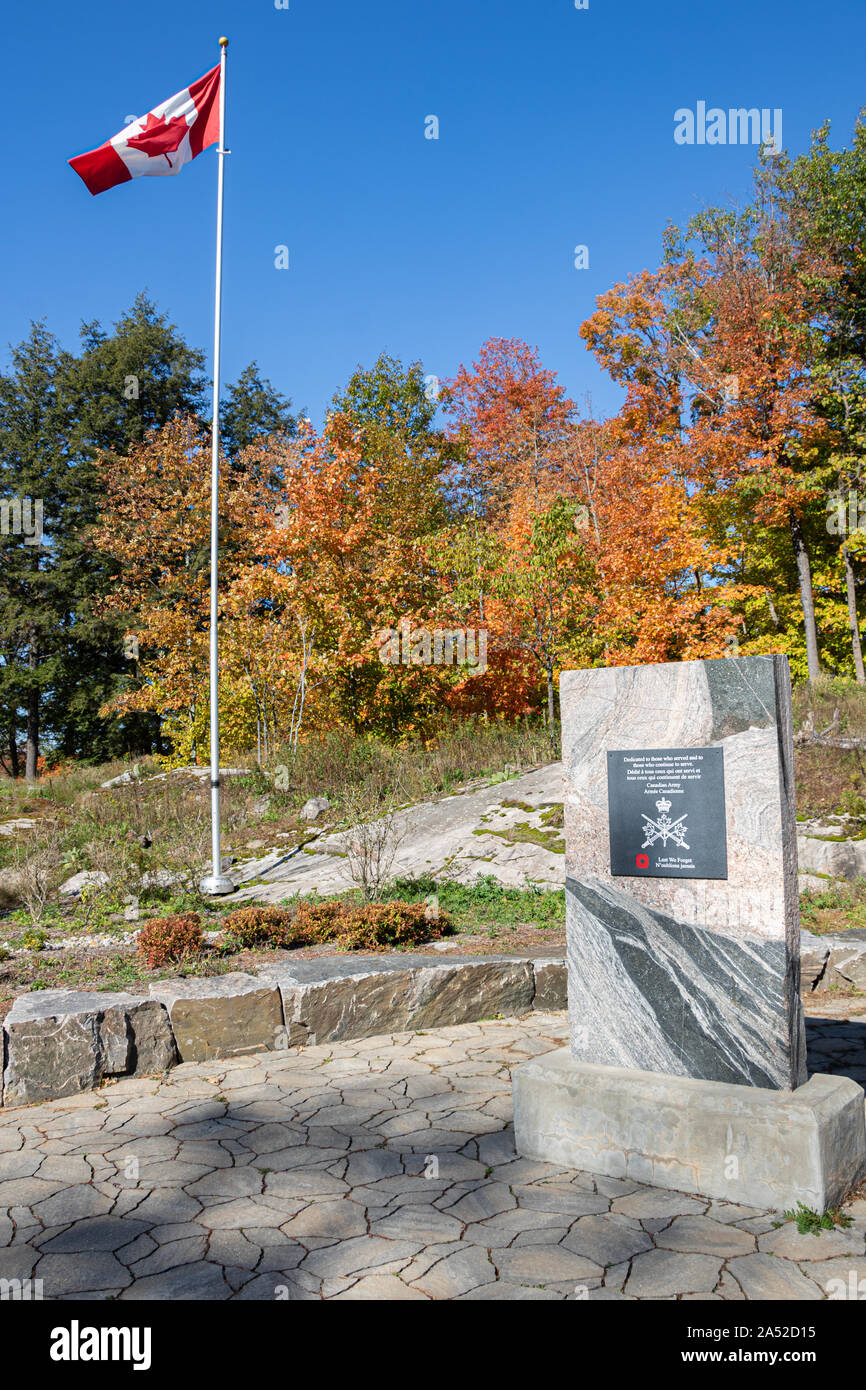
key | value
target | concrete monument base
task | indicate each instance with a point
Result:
(747, 1144)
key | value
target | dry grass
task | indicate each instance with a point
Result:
(148, 836)
(834, 704)
(829, 781)
(837, 908)
(338, 764)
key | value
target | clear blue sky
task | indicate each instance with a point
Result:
(556, 128)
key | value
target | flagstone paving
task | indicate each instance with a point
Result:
(380, 1169)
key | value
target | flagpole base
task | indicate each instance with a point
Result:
(216, 886)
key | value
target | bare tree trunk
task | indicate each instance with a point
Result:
(774, 617)
(807, 599)
(300, 688)
(853, 621)
(14, 765)
(275, 728)
(32, 755)
(551, 700)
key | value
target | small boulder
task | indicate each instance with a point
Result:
(814, 952)
(88, 878)
(9, 827)
(122, 780)
(847, 964)
(61, 1042)
(10, 888)
(315, 807)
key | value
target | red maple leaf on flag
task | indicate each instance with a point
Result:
(160, 138)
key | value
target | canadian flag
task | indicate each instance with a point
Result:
(159, 143)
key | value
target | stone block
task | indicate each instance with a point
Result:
(846, 964)
(551, 985)
(222, 1015)
(463, 992)
(60, 1042)
(814, 954)
(671, 972)
(752, 1145)
(329, 1000)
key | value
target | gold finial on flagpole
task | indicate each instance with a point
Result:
(224, 43)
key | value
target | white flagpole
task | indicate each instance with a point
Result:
(216, 882)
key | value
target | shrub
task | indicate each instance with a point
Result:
(39, 866)
(373, 838)
(167, 939)
(376, 926)
(33, 939)
(261, 926)
(372, 927)
(319, 922)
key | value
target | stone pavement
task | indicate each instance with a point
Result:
(377, 1169)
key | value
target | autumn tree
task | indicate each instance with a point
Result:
(715, 353)
(154, 524)
(511, 416)
(122, 383)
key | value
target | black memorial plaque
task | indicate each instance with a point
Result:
(666, 809)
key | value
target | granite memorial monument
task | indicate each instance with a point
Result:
(687, 1058)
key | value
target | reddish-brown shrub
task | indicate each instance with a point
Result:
(316, 923)
(260, 925)
(164, 940)
(373, 927)
(381, 926)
